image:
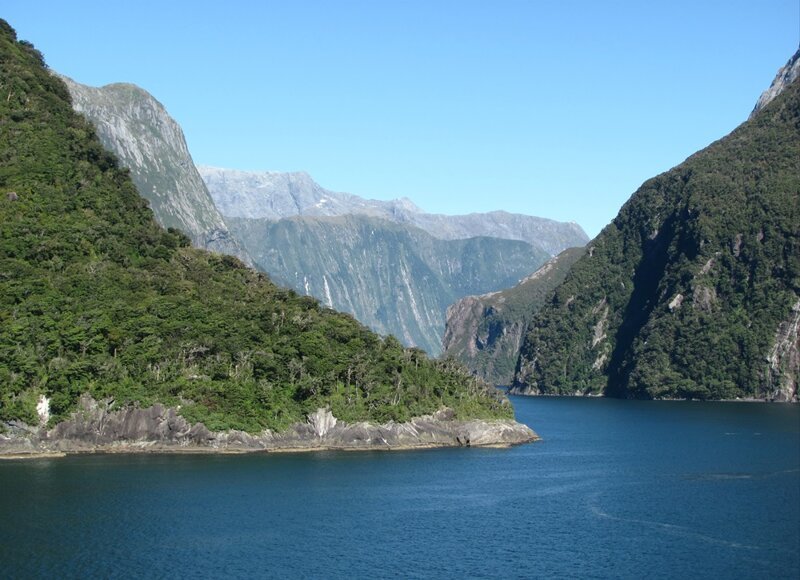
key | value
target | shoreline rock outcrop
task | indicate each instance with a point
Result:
(96, 428)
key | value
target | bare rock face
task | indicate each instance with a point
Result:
(322, 421)
(786, 76)
(463, 321)
(138, 130)
(95, 427)
(783, 373)
(276, 195)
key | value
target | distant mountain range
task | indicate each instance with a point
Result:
(388, 263)
(393, 266)
(396, 278)
(275, 195)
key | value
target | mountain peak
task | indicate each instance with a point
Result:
(138, 129)
(787, 74)
(406, 205)
(275, 195)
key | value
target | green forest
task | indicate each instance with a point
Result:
(682, 294)
(96, 298)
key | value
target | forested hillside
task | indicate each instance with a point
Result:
(692, 291)
(96, 298)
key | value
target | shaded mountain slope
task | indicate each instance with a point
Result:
(693, 291)
(485, 332)
(395, 278)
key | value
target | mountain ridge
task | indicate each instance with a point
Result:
(295, 192)
(134, 125)
(277, 195)
(786, 75)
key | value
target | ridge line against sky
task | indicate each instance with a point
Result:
(554, 109)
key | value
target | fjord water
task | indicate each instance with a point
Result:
(615, 489)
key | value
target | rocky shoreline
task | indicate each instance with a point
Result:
(96, 428)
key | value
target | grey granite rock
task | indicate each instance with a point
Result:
(96, 427)
(134, 126)
(786, 75)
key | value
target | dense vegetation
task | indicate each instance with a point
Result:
(485, 332)
(682, 294)
(96, 298)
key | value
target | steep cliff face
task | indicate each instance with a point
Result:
(485, 332)
(691, 291)
(275, 195)
(395, 278)
(787, 74)
(783, 371)
(139, 131)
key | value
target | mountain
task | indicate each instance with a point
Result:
(485, 332)
(139, 131)
(787, 74)
(546, 234)
(395, 278)
(393, 266)
(98, 302)
(150, 143)
(275, 195)
(693, 291)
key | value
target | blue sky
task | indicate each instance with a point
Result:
(553, 108)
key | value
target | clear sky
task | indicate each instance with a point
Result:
(556, 108)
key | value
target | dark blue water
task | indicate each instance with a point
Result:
(616, 489)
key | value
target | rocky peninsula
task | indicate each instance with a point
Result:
(98, 428)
